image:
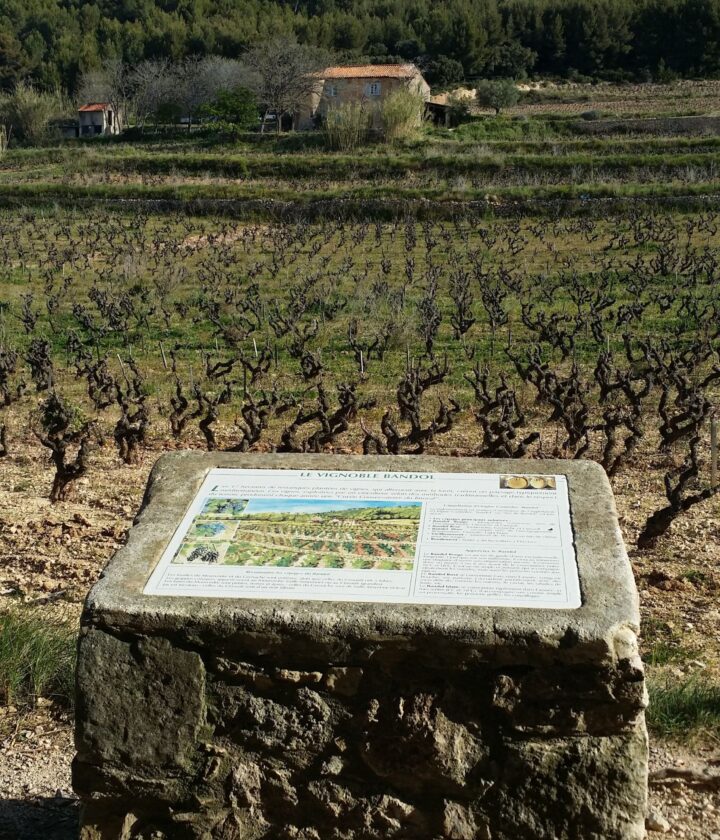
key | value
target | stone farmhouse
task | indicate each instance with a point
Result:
(366, 83)
(97, 118)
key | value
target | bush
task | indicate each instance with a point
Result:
(503, 128)
(497, 94)
(37, 658)
(346, 126)
(236, 108)
(458, 109)
(401, 114)
(26, 113)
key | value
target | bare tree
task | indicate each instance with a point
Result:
(195, 82)
(152, 86)
(110, 83)
(283, 76)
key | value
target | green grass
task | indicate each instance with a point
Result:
(696, 577)
(666, 651)
(261, 201)
(683, 708)
(37, 658)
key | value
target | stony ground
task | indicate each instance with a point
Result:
(50, 555)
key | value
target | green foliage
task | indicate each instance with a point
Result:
(58, 417)
(50, 42)
(497, 94)
(27, 113)
(401, 115)
(37, 658)
(333, 562)
(503, 128)
(666, 651)
(444, 71)
(458, 109)
(681, 708)
(359, 563)
(346, 126)
(233, 107)
(696, 577)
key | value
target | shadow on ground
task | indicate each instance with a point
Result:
(39, 818)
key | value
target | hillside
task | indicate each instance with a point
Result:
(50, 42)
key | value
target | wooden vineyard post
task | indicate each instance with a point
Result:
(713, 449)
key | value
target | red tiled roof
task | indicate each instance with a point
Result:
(94, 106)
(370, 71)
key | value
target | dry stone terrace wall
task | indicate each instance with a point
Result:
(202, 718)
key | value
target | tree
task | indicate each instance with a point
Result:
(13, 61)
(198, 82)
(110, 83)
(443, 71)
(283, 76)
(237, 106)
(458, 109)
(511, 60)
(497, 94)
(152, 86)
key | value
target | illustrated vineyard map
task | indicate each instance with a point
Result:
(308, 533)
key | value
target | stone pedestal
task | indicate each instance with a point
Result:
(209, 718)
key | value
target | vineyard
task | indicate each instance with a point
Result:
(327, 541)
(361, 538)
(573, 338)
(513, 288)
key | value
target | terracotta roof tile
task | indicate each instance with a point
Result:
(370, 71)
(94, 106)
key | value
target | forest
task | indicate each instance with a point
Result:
(50, 43)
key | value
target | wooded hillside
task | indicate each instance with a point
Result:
(50, 42)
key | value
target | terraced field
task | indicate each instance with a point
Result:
(517, 287)
(536, 161)
(360, 538)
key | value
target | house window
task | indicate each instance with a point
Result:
(373, 89)
(332, 90)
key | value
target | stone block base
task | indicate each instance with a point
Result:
(241, 720)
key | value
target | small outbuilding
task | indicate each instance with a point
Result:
(97, 118)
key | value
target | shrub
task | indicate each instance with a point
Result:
(236, 108)
(27, 113)
(497, 94)
(346, 126)
(401, 114)
(458, 109)
(37, 658)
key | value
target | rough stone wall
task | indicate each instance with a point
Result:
(226, 735)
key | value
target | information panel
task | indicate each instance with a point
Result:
(412, 538)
